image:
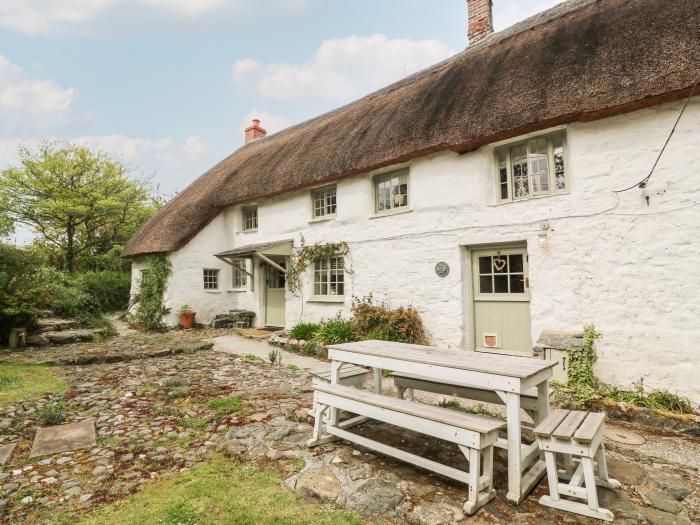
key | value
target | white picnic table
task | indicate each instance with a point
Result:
(509, 377)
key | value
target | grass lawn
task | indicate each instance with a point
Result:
(20, 382)
(220, 492)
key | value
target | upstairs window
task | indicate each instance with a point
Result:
(250, 218)
(531, 168)
(391, 191)
(324, 202)
(211, 279)
(239, 277)
(329, 277)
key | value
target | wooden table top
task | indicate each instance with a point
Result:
(497, 364)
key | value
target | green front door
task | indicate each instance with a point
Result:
(501, 301)
(275, 283)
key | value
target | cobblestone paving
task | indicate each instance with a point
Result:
(162, 415)
(152, 416)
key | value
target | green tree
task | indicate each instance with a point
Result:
(81, 204)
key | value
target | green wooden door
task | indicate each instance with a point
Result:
(275, 283)
(501, 301)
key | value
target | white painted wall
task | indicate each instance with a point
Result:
(618, 262)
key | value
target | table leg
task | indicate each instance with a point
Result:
(514, 448)
(377, 376)
(335, 379)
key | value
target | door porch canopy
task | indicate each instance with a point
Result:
(261, 251)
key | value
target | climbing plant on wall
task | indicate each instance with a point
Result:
(149, 305)
(306, 255)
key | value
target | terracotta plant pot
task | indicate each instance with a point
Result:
(187, 319)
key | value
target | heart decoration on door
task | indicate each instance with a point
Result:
(499, 263)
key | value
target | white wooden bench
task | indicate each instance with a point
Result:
(578, 436)
(473, 434)
(349, 375)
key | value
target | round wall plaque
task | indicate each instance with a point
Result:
(442, 269)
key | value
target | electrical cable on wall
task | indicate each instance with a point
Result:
(642, 183)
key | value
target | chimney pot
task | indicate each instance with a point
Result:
(479, 20)
(254, 131)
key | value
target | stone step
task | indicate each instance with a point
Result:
(54, 324)
(65, 337)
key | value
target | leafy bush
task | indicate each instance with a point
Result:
(304, 331)
(53, 414)
(656, 399)
(109, 289)
(334, 331)
(378, 321)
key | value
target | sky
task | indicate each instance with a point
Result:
(168, 86)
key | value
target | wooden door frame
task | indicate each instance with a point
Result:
(468, 290)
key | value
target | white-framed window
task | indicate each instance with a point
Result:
(323, 201)
(239, 277)
(329, 277)
(531, 168)
(250, 218)
(211, 279)
(391, 191)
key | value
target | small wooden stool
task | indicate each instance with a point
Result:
(578, 436)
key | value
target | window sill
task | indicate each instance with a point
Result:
(249, 231)
(237, 290)
(533, 198)
(212, 291)
(326, 299)
(390, 213)
(325, 218)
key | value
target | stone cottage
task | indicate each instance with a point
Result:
(541, 179)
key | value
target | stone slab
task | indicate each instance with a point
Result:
(63, 438)
(6, 453)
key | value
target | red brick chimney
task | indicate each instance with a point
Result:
(254, 131)
(480, 20)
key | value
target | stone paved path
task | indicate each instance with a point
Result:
(154, 416)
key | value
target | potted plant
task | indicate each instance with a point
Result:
(187, 316)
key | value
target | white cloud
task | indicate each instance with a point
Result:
(270, 122)
(48, 17)
(511, 12)
(171, 164)
(342, 68)
(30, 103)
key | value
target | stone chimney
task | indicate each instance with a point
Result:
(254, 131)
(480, 20)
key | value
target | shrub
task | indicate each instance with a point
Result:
(53, 414)
(304, 331)
(109, 289)
(334, 331)
(378, 321)
(310, 348)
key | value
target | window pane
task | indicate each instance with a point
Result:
(484, 264)
(538, 165)
(515, 263)
(521, 182)
(558, 153)
(503, 174)
(392, 191)
(500, 283)
(517, 283)
(485, 285)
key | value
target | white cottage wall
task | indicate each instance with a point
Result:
(615, 260)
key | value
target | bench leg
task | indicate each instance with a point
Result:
(401, 391)
(480, 487)
(603, 478)
(316, 439)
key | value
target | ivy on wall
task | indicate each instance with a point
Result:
(304, 256)
(150, 307)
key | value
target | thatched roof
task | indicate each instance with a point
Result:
(581, 60)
